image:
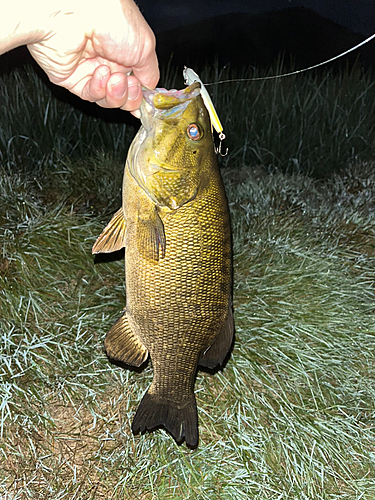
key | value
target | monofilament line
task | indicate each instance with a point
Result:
(295, 72)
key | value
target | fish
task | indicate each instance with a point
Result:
(174, 224)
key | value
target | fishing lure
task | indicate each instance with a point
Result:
(190, 77)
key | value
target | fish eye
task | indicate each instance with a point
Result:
(193, 132)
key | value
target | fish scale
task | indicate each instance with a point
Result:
(178, 268)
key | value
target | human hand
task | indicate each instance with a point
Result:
(90, 47)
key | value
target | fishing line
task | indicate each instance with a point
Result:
(190, 77)
(294, 72)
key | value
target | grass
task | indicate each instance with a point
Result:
(40, 124)
(292, 414)
(315, 123)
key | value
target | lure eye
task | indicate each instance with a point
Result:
(193, 132)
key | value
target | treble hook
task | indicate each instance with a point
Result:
(218, 150)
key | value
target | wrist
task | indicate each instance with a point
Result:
(21, 24)
(27, 22)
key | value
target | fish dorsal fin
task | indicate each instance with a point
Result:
(113, 236)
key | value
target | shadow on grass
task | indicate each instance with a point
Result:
(104, 258)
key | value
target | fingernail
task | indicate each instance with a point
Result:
(104, 72)
(118, 86)
(133, 92)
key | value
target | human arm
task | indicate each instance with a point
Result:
(86, 46)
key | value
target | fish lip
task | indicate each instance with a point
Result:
(185, 94)
(182, 97)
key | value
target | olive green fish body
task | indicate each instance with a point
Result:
(176, 230)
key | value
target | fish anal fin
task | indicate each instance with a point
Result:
(113, 236)
(180, 420)
(217, 352)
(150, 237)
(122, 344)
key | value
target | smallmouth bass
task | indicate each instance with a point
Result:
(174, 225)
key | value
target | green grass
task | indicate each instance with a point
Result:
(39, 126)
(290, 417)
(314, 123)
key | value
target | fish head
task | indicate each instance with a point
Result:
(174, 148)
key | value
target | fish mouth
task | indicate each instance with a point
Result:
(144, 161)
(161, 103)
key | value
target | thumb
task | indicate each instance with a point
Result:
(148, 71)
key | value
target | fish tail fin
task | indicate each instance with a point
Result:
(179, 419)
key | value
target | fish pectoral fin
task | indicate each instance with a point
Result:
(217, 352)
(113, 236)
(180, 420)
(122, 344)
(150, 237)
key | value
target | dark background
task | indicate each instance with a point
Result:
(255, 32)
(246, 33)
(357, 15)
